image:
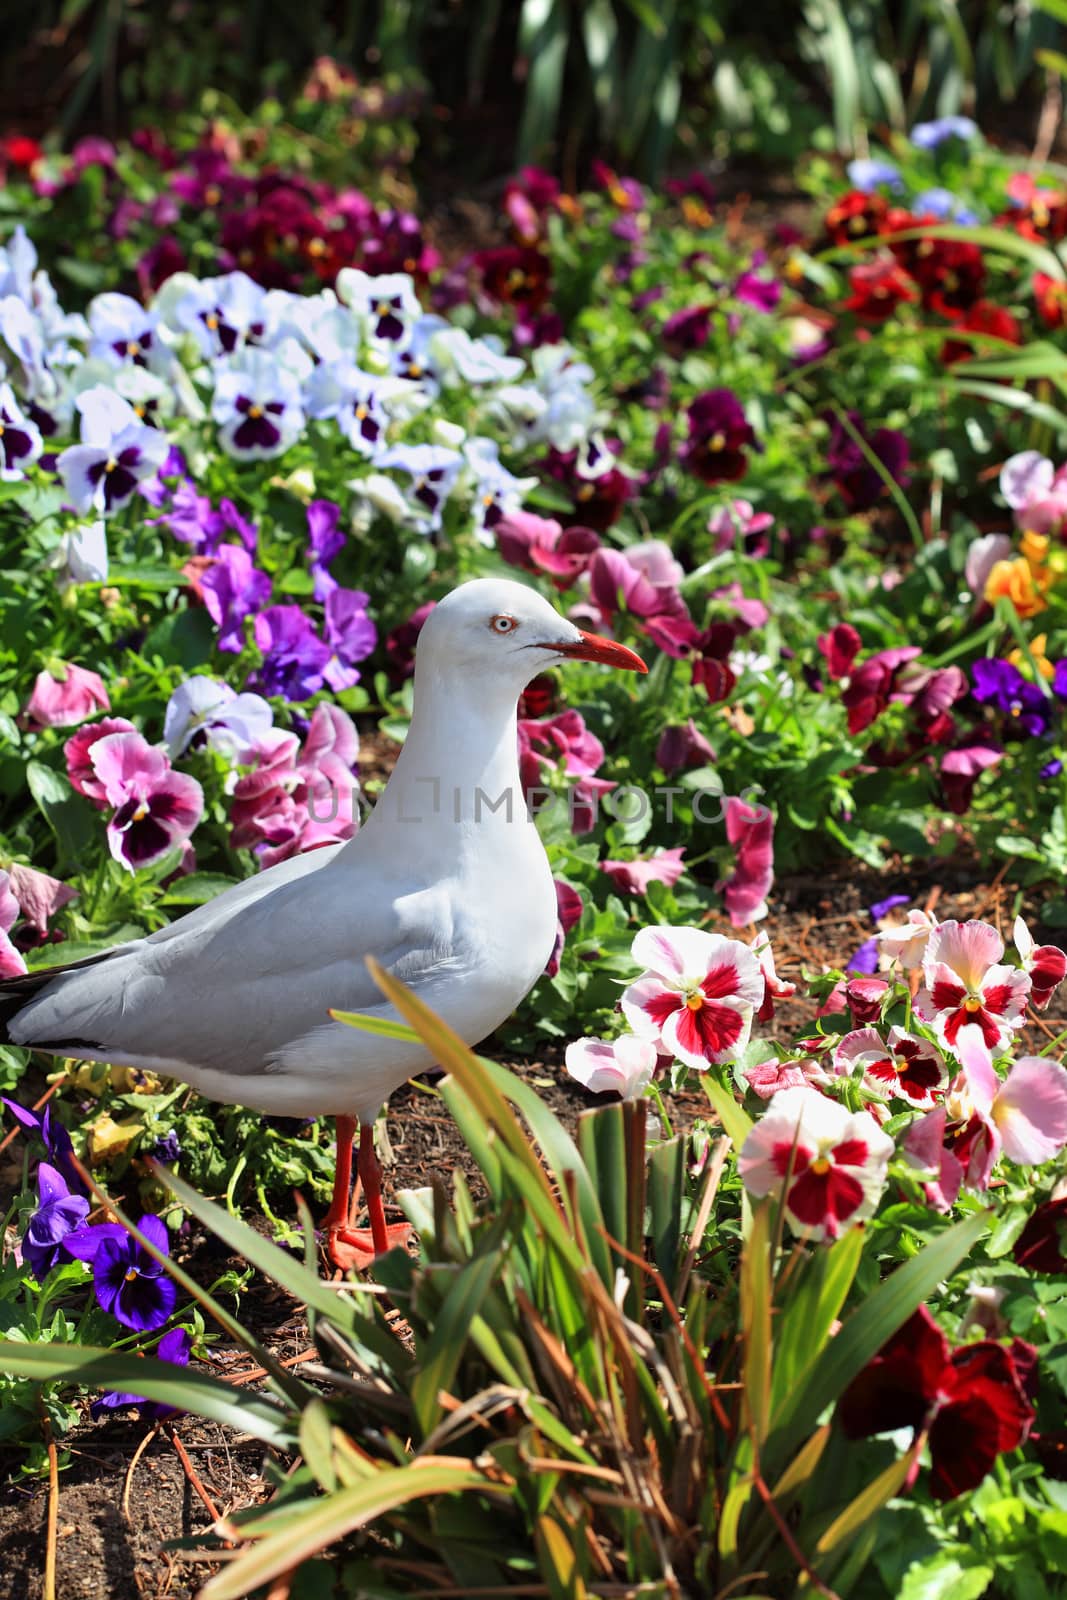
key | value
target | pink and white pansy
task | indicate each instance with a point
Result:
(1024, 1117)
(624, 1065)
(966, 986)
(827, 1164)
(1046, 964)
(902, 1066)
(907, 941)
(697, 995)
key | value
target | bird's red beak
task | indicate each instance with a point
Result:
(591, 647)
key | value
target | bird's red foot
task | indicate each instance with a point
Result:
(352, 1249)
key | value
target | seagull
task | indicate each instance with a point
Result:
(446, 884)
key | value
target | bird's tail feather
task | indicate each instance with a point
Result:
(16, 993)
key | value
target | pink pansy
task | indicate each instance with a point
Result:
(774, 988)
(768, 1078)
(155, 807)
(643, 582)
(80, 768)
(738, 521)
(38, 895)
(11, 963)
(1025, 1117)
(903, 1066)
(634, 877)
(924, 1147)
(966, 986)
(960, 770)
(907, 942)
(750, 829)
(569, 914)
(297, 799)
(827, 1163)
(1046, 964)
(624, 1065)
(63, 696)
(540, 544)
(697, 994)
(982, 557)
(563, 735)
(753, 613)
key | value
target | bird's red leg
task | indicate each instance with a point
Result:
(355, 1248)
(337, 1215)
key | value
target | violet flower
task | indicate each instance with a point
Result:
(47, 1127)
(350, 634)
(325, 541)
(294, 657)
(129, 1282)
(233, 589)
(999, 684)
(58, 1214)
(719, 436)
(859, 483)
(206, 711)
(173, 1348)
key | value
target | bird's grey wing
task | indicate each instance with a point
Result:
(230, 985)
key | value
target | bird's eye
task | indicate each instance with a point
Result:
(503, 624)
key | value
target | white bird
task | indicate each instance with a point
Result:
(447, 884)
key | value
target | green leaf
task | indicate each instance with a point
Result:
(197, 889)
(66, 813)
(383, 1027)
(187, 1389)
(439, 1361)
(737, 1124)
(946, 1577)
(330, 1519)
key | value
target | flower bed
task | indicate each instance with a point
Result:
(815, 478)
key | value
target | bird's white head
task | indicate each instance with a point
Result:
(498, 627)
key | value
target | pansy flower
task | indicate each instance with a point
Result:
(12, 964)
(1046, 964)
(906, 941)
(129, 1282)
(387, 303)
(623, 1066)
(64, 694)
(997, 683)
(122, 330)
(432, 471)
(342, 390)
(58, 1214)
(750, 829)
(860, 484)
(960, 770)
(294, 657)
(20, 439)
(719, 437)
(117, 453)
(697, 995)
(828, 1164)
(223, 314)
(497, 492)
(350, 634)
(965, 985)
(970, 1401)
(257, 406)
(232, 589)
(206, 711)
(634, 877)
(902, 1066)
(155, 808)
(173, 1348)
(878, 288)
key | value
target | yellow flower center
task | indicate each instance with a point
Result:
(109, 466)
(821, 1165)
(212, 322)
(695, 1000)
(972, 1003)
(255, 412)
(361, 413)
(900, 1064)
(717, 441)
(212, 194)
(141, 812)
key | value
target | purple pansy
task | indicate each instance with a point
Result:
(350, 634)
(719, 436)
(47, 1127)
(58, 1214)
(294, 657)
(206, 711)
(174, 1347)
(233, 589)
(997, 683)
(858, 481)
(325, 541)
(866, 958)
(129, 1282)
